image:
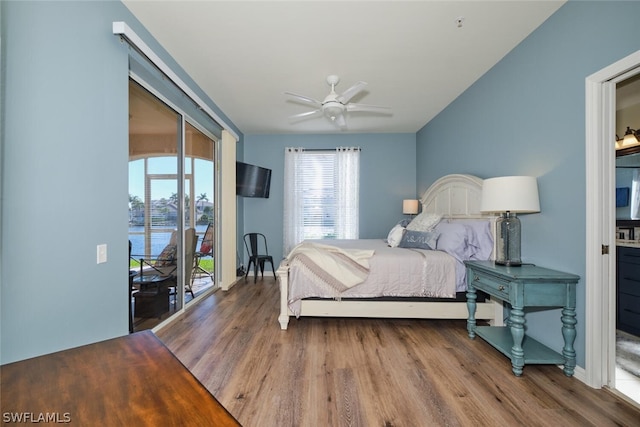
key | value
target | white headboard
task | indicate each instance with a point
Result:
(454, 196)
(458, 196)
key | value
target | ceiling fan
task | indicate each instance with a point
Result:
(334, 107)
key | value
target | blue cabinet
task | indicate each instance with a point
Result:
(628, 292)
(524, 286)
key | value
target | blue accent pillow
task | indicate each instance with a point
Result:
(403, 223)
(419, 239)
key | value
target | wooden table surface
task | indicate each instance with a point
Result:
(131, 381)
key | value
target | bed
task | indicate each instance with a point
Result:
(389, 282)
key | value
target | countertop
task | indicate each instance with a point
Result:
(628, 243)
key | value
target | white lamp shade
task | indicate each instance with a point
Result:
(517, 194)
(409, 207)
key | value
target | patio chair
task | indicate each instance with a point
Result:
(190, 242)
(162, 273)
(206, 250)
(165, 263)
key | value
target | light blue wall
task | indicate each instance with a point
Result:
(387, 175)
(64, 174)
(526, 116)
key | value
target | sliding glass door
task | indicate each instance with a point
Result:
(171, 206)
(199, 165)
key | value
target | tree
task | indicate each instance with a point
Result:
(202, 198)
(136, 208)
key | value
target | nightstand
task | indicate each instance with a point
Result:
(524, 286)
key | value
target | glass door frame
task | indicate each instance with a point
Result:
(181, 178)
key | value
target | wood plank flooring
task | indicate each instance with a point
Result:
(369, 372)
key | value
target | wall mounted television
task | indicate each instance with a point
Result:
(252, 180)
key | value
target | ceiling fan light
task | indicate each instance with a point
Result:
(335, 106)
(333, 110)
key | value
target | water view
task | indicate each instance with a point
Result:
(159, 239)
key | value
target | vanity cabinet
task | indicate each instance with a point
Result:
(628, 292)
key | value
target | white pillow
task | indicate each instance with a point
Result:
(395, 236)
(424, 222)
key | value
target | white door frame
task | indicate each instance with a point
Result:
(600, 280)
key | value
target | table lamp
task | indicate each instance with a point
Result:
(508, 195)
(410, 207)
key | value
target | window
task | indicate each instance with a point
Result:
(321, 195)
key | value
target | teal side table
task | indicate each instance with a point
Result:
(524, 286)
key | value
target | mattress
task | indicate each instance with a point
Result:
(392, 272)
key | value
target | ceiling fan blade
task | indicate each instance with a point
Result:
(340, 121)
(351, 92)
(304, 99)
(368, 108)
(305, 115)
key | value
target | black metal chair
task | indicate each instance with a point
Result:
(256, 244)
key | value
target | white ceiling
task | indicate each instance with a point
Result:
(413, 55)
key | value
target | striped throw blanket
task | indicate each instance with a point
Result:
(337, 268)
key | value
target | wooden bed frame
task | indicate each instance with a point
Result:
(455, 197)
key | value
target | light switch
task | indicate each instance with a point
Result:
(102, 254)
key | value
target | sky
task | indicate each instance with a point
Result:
(165, 184)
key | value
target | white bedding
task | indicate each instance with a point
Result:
(393, 272)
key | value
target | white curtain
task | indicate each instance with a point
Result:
(303, 171)
(347, 192)
(293, 201)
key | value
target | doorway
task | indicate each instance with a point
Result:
(171, 204)
(600, 277)
(627, 187)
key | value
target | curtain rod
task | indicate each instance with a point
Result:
(123, 30)
(318, 149)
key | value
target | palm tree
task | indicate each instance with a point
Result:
(202, 198)
(187, 201)
(136, 208)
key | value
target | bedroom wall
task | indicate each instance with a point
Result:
(64, 174)
(526, 116)
(387, 176)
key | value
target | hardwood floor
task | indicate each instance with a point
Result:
(369, 372)
(200, 285)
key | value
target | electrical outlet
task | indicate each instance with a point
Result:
(101, 256)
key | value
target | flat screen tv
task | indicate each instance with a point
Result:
(252, 180)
